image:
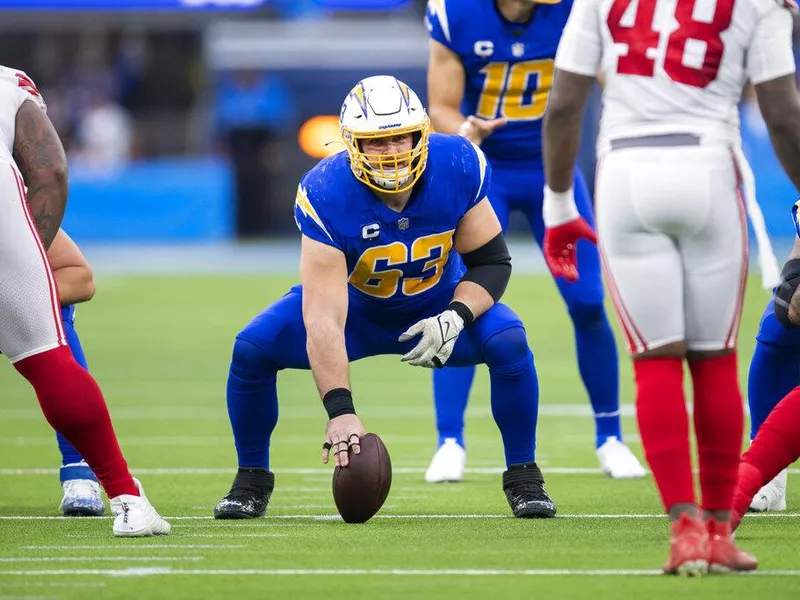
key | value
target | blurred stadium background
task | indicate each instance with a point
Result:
(189, 122)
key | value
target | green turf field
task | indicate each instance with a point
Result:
(160, 347)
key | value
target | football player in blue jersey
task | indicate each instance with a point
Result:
(774, 397)
(489, 76)
(401, 254)
(75, 280)
(774, 372)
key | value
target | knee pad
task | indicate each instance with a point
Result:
(587, 315)
(250, 361)
(507, 347)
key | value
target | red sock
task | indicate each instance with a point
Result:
(748, 483)
(664, 427)
(777, 443)
(718, 426)
(74, 406)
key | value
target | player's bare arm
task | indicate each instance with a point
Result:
(479, 239)
(323, 273)
(73, 273)
(445, 88)
(562, 127)
(780, 108)
(561, 132)
(446, 79)
(41, 160)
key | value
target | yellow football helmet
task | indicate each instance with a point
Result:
(383, 106)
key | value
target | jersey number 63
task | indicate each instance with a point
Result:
(381, 269)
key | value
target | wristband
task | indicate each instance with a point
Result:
(338, 402)
(559, 207)
(463, 311)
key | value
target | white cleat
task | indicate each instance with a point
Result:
(134, 516)
(82, 498)
(771, 497)
(618, 462)
(448, 463)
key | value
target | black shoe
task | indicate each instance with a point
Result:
(248, 497)
(524, 488)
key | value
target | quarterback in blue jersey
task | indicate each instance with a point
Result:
(401, 254)
(75, 280)
(489, 77)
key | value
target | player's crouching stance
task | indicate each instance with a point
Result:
(385, 227)
(777, 443)
(31, 329)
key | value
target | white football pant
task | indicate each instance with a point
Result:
(672, 229)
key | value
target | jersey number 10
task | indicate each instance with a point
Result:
(640, 37)
(508, 87)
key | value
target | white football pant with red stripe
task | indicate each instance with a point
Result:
(672, 228)
(30, 312)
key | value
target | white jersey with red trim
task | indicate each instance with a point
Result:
(15, 88)
(676, 66)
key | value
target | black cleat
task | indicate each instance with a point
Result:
(248, 497)
(524, 488)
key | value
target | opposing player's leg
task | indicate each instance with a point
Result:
(775, 447)
(498, 339)
(774, 372)
(274, 340)
(645, 279)
(32, 337)
(81, 491)
(451, 387)
(595, 346)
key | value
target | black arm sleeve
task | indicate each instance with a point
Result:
(790, 281)
(489, 266)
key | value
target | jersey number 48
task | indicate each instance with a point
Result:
(640, 37)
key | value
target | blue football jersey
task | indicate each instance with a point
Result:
(509, 67)
(400, 262)
(795, 217)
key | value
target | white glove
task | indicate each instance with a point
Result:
(439, 335)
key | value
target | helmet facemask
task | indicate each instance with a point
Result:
(384, 107)
(390, 172)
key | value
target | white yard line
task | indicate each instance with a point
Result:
(234, 535)
(160, 571)
(55, 584)
(327, 471)
(324, 471)
(135, 546)
(309, 413)
(14, 559)
(770, 515)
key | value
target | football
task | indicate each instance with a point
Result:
(361, 488)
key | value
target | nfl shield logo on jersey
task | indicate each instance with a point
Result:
(518, 49)
(402, 224)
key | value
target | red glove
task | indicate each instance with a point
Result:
(560, 244)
